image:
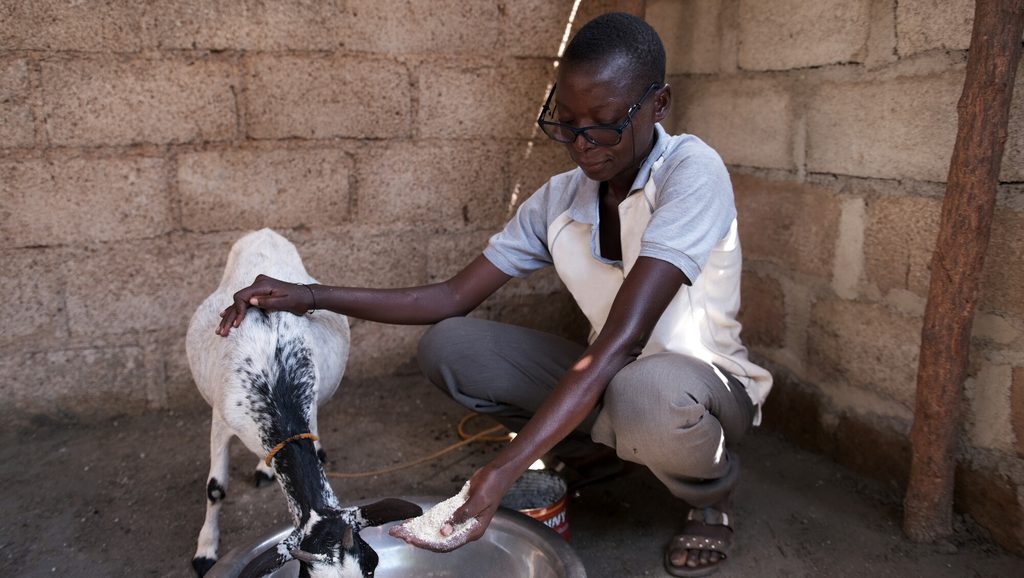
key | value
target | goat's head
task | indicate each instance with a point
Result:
(330, 546)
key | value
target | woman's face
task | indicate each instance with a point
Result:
(602, 95)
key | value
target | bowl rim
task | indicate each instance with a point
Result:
(541, 535)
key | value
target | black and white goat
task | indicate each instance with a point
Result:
(264, 382)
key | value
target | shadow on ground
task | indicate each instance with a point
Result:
(126, 498)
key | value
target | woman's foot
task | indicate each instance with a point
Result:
(704, 542)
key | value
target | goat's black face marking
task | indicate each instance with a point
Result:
(214, 491)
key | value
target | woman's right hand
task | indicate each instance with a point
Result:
(265, 293)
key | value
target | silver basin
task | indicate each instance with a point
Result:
(514, 546)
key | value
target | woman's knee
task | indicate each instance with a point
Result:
(434, 342)
(660, 380)
(447, 340)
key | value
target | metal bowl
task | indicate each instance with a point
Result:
(514, 546)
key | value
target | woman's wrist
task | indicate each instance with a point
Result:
(312, 297)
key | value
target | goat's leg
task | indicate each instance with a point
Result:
(216, 491)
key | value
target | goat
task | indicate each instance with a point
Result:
(264, 382)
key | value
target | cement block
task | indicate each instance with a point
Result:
(749, 122)
(366, 256)
(790, 397)
(141, 287)
(899, 240)
(690, 33)
(72, 26)
(1017, 409)
(16, 121)
(57, 201)
(536, 27)
(928, 24)
(33, 304)
(90, 382)
(449, 254)
(789, 224)
(326, 97)
(787, 34)
(881, 45)
(531, 164)
(991, 498)
(96, 102)
(423, 26)
(283, 188)
(1012, 169)
(249, 25)
(899, 128)
(874, 446)
(379, 349)
(1003, 275)
(864, 345)
(179, 389)
(590, 9)
(988, 416)
(481, 102)
(762, 311)
(447, 184)
(680, 83)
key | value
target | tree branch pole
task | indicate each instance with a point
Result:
(964, 231)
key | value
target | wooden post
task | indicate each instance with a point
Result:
(964, 232)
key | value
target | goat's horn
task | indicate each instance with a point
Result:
(302, 556)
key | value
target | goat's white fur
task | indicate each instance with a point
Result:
(215, 360)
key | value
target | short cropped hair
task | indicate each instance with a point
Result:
(618, 34)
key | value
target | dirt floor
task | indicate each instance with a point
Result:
(126, 498)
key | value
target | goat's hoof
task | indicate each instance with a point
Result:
(320, 453)
(202, 565)
(260, 477)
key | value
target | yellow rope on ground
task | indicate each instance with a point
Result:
(484, 436)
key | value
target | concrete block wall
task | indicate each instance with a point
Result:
(837, 119)
(387, 138)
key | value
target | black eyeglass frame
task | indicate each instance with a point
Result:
(576, 132)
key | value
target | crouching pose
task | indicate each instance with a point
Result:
(643, 234)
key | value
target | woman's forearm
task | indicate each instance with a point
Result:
(408, 306)
(415, 305)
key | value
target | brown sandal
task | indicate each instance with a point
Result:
(695, 538)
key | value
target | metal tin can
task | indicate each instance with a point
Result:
(543, 496)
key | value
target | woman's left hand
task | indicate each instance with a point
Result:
(486, 489)
(487, 486)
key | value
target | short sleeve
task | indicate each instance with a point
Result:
(521, 247)
(693, 209)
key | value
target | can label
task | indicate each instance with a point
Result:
(555, 517)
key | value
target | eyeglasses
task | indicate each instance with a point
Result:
(603, 135)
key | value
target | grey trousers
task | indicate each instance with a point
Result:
(672, 413)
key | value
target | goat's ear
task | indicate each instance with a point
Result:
(267, 562)
(388, 510)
